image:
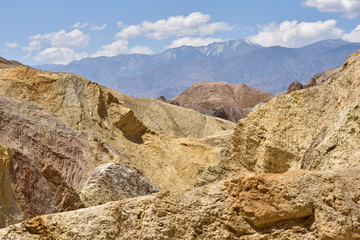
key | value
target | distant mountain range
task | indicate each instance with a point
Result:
(269, 69)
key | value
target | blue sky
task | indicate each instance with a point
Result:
(40, 32)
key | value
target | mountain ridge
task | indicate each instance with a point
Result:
(270, 69)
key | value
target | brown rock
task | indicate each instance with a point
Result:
(30, 190)
(314, 81)
(27, 127)
(206, 96)
(294, 87)
(221, 99)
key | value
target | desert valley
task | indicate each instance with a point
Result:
(83, 161)
(172, 120)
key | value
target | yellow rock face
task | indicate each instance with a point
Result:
(151, 135)
(314, 128)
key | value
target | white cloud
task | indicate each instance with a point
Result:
(34, 45)
(196, 42)
(61, 55)
(113, 49)
(120, 47)
(98, 28)
(350, 8)
(353, 36)
(120, 24)
(293, 34)
(79, 25)
(132, 31)
(62, 39)
(195, 23)
(11, 45)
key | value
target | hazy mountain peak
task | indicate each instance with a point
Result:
(229, 48)
(269, 69)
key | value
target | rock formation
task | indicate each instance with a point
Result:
(296, 205)
(292, 172)
(65, 135)
(113, 181)
(221, 99)
(314, 81)
(302, 129)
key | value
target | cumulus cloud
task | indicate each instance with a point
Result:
(11, 45)
(80, 25)
(120, 47)
(353, 36)
(59, 55)
(132, 31)
(195, 23)
(63, 39)
(98, 28)
(350, 8)
(294, 34)
(190, 41)
(34, 45)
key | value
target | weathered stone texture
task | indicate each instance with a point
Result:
(112, 182)
(303, 128)
(296, 205)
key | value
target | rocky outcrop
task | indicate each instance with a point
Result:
(207, 96)
(31, 188)
(44, 162)
(221, 99)
(30, 129)
(296, 205)
(111, 182)
(313, 128)
(314, 81)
